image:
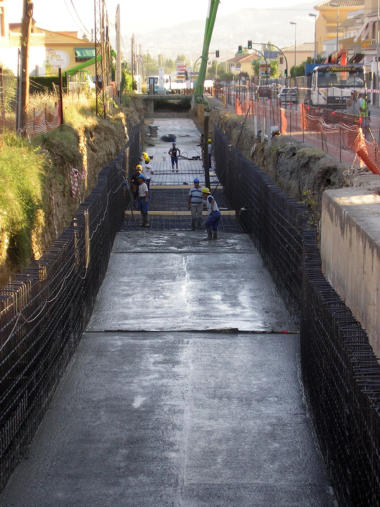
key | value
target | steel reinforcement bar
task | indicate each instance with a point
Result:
(340, 371)
(44, 310)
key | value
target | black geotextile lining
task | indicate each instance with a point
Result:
(340, 371)
(45, 309)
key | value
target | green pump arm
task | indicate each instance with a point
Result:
(210, 22)
(81, 66)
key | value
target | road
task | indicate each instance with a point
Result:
(184, 391)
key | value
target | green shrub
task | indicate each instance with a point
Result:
(22, 170)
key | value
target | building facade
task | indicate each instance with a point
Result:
(242, 64)
(295, 55)
(331, 23)
(49, 50)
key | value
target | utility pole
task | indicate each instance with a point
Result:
(133, 57)
(101, 57)
(118, 52)
(25, 37)
(377, 50)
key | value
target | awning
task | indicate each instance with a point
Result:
(84, 53)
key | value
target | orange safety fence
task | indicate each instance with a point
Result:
(337, 133)
(43, 120)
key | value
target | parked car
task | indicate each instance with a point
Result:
(265, 91)
(288, 96)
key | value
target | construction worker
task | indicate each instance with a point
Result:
(148, 171)
(134, 182)
(143, 199)
(363, 112)
(209, 152)
(212, 221)
(174, 153)
(195, 203)
(145, 156)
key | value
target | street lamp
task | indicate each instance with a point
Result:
(336, 4)
(315, 36)
(295, 45)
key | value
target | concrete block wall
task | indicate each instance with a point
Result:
(350, 251)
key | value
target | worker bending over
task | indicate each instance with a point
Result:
(212, 221)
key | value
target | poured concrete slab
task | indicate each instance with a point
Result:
(180, 242)
(211, 285)
(175, 420)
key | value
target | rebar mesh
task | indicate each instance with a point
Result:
(44, 310)
(340, 371)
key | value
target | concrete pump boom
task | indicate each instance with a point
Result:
(210, 22)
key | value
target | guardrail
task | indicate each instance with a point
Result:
(340, 371)
(44, 310)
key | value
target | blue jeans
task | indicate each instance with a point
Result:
(142, 205)
(213, 221)
(174, 161)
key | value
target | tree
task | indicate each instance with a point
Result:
(274, 71)
(169, 66)
(126, 84)
(212, 70)
(150, 65)
(182, 58)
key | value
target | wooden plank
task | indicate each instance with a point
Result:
(179, 213)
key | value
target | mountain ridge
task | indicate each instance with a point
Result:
(258, 25)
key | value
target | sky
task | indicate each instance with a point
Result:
(137, 17)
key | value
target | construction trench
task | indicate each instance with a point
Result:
(186, 386)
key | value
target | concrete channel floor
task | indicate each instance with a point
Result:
(167, 402)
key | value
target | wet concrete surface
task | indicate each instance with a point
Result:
(211, 285)
(155, 411)
(175, 420)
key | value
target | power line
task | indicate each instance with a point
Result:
(76, 20)
(79, 18)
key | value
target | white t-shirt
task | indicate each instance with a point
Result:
(143, 189)
(148, 171)
(209, 201)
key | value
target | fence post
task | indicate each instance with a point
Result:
(87, 238)
(60, 96)
(303, 117)
(76, 243)
(2, 105)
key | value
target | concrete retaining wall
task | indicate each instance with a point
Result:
(350, 250)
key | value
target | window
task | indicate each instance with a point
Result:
(84, 54)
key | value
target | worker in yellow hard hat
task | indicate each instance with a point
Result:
(212, 221)
(134, 182)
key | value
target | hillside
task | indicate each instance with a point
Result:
(259, 25)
